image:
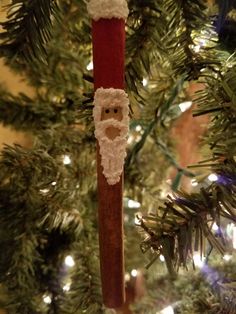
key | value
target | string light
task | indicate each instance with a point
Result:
(69, 261)
(215, 227)
(162, 258)
(44, 191)
(66, 288)
(201, 43)
(227, 257)
(133, 204)
(56, 99)
(194, 182)
(66, 160)
(90, 66)
(212, 177)
(47, 299)
(198, 260)
(168, 310)
(197, 48)
(185, 105)
(134, 273)
(138, 128)
(145, 82)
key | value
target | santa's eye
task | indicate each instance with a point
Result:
(115, 110)
(107, 111)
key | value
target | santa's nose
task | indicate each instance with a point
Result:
(112, 132)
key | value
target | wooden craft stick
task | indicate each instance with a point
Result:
(108, 36)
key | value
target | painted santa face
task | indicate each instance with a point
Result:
(111, 117)
(112, 113)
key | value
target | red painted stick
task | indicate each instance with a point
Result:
(108, 58)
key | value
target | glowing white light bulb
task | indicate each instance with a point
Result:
(138, 128)
(194, 182)
(185, 105)
(145, 82)
(133, 204)
(134, 273)
(44, 191)
(56, 99)
(227, 257)
(90, 66)
(215, 227)
(198, 261)
(47, 299)
(168, 310)
(69, 261)
(197, 48)
(66, 160)
(67, 287)
(162, 258)
(212, 177)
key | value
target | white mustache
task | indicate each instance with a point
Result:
(101, 126)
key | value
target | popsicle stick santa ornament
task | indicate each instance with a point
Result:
(111, 117)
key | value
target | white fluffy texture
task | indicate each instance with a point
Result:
(113, 152)
(110, 98)
(108, 9)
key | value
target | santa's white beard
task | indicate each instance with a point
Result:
(113, 152)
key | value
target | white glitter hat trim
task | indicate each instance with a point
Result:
(108, 9)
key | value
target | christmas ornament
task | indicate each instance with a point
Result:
(111, 117)
(111, 128)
